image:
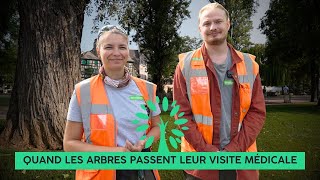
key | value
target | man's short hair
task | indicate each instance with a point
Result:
(213, 6)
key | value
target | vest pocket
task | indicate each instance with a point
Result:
(86, 174)
(102, 130)
(199, 85)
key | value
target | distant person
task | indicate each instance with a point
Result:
(102, 108)
(219, 89)
(286, 89)
(265, 91)
(287, 98)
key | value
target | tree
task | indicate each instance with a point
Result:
(292, 27)
(156, 24)
(240, 13)
(48, 66)
(189, 43)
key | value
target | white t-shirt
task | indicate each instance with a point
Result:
(124, 110)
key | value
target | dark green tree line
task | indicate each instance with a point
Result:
(292, 29)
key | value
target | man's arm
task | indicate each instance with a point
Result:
(252, 122)
(192, 135)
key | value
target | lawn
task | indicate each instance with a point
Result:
(287, 128)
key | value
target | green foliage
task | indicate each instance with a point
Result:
(292, 28)
(240, 13)
(189, 43)
(9, 31)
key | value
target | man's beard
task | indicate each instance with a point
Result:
(215, 42)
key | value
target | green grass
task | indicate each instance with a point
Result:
(292, 128)
(287, 128)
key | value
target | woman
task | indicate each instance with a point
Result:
(102, 108)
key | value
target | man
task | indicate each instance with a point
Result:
(219, 89)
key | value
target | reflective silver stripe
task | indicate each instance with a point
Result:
(187, 64)
(101, 109)
(249, 77)
(151, 94)
(198, 73)
(85, 107)
(203, 119)
(150, 90)
(186, 72)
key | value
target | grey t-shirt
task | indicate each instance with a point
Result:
(226, 99)
(124, 110)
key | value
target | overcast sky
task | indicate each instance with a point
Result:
(188, 27)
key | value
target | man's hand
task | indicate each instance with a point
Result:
(137, 147)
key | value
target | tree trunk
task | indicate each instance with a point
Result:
(318, 85)
(313, 80)
(47, 69)
(157, 79)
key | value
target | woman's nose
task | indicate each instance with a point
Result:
(116, 51)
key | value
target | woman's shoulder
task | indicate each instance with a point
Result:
(88, 80)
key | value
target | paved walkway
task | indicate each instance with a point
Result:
(294, 99)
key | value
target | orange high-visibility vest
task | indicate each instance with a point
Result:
(99, 124)
(194, 71)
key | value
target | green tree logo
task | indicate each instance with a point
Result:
(174, 141)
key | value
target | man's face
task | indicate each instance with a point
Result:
(214, 26)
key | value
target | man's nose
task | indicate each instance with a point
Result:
(213, 26)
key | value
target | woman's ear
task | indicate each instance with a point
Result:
(98, 51)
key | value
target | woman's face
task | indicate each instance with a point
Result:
(113, 51)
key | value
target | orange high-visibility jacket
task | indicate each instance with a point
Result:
(99, 124)
(194, 71)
